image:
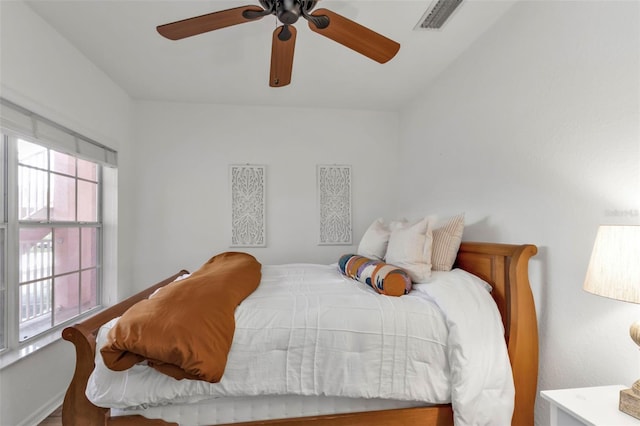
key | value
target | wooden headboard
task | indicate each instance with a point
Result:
(506, 268)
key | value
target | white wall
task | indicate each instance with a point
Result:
(535, 133)
(41, 71)
(182, 154)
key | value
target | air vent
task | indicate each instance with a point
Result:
(437, 14)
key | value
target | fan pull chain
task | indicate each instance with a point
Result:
(275, 80)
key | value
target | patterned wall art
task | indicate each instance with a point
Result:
(334, 203)
(247, 186)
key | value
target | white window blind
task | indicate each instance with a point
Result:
(22, 122)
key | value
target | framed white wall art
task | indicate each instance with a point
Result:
(334, 204)
(248, 211)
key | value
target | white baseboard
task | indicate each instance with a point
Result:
(39, 415)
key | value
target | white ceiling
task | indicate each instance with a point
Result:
(231, 65)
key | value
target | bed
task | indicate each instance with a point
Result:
(503, 266)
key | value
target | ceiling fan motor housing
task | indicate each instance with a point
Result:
(288, 11)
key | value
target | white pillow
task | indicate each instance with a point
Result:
(446, 242)
(397, 224)
(374, 241)
(409, 248)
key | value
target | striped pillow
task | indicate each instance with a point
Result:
(383, 278)
(446, 242)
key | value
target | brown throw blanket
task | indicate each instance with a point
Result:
(185, 330)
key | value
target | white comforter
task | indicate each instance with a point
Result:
(308, 330)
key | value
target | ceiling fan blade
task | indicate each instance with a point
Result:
(209, 22)
(355, 36)
(282, 47)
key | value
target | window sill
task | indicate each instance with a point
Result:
(11, 356)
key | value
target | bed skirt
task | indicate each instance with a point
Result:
(245, 409)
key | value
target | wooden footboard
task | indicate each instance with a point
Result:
(76, 408)
(504, 266)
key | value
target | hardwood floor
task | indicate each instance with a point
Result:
(54, 419)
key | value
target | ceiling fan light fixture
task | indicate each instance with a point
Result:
(437, 14)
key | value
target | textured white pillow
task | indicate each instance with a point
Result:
(409, 248)
(374, 241)
(446, 242)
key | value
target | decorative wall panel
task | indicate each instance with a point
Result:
(248, 218)
(334, 203)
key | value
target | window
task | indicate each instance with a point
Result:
(51, 226)
(58, 237)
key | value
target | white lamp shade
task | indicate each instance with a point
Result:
(614, 269)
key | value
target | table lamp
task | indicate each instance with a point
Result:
(614, 272)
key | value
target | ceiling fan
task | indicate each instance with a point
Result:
(322, 21)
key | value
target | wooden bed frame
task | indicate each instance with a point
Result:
(504, 266)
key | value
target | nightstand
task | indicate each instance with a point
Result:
(597, 406)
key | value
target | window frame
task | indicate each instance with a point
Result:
(20, 122)
(4, 319)
(14, 348)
